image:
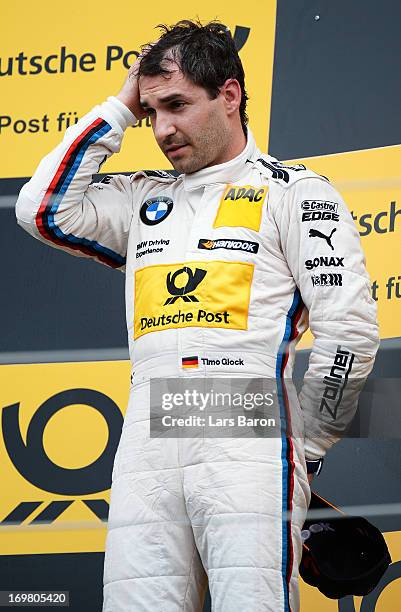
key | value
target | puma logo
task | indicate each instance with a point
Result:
(316, 234)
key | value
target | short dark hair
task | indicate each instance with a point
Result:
(206, 55)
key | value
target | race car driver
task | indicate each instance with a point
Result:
(225, 266)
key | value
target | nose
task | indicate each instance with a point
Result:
(163, 126)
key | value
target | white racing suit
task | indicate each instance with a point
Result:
(224, 269)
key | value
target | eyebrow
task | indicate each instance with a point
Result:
(164, 100)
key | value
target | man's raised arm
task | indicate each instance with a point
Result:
(60, 206)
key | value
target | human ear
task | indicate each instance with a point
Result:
(231, 92)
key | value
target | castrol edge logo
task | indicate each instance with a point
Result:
(194, 294)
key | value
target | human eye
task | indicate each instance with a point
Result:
(177, 104)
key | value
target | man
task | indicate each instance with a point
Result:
(223, 264)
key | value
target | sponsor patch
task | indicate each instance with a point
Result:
(147, 247)
(328, 279)
(241, 206)
(336, 382)
(229, 244)
(324, 262)
(195, 294)
(319, 210)
(320, 215)
(155, 210)
(319, 205)
(314, 233)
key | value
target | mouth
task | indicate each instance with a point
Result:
(175, 149)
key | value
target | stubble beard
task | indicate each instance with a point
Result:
(207, 146)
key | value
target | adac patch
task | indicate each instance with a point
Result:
(155, 210)
(241, 206)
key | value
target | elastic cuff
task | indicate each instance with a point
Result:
(314, 466)
(119, 112)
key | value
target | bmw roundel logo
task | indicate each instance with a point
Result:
(155, 210)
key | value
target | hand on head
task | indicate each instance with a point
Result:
(129, 93)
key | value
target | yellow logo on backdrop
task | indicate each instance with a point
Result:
(194, 294)
(60, 432)
(241, 206)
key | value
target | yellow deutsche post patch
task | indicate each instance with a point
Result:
(192, 294)
(241, 206)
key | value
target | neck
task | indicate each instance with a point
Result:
(237, 144)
